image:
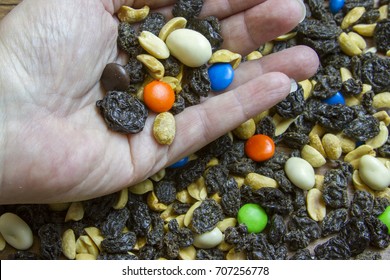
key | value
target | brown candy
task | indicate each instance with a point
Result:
(115, 77)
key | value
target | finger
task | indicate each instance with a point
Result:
(298, 63)
(201, 124)
(112, 6)
(260, 24)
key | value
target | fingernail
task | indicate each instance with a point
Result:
(294, 86)
(303, 10)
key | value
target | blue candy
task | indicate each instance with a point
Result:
(221, 76)
(338, 98)
(336, 5)
(179, 163)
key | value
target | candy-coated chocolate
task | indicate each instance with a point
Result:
(221, 76)
(385, 218)
(253, 216)
(338, 98)
(115, 77)
(336, 5)
(260, 147)
(179, 163)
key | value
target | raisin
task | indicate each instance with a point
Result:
(128, 39)
(50, 242)
(230, 198)
(292, 105)
(382, 35)
(334, 221)
(362, 204)
(120, 244)
(153, 23)
(123, 112)
(115, 222)
(206, 216)
(165, 191)
(334, 249)
(277, 230)
(187, 8)
(215, 178)
(210, 27)
(362, 128)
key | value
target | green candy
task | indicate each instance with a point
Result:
(385, 218)
(253, 216)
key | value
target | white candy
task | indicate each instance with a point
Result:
(190, 47)
(374, 173)
(15, 231)
(208, 239)
(300, 173)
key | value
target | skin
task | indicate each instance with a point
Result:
(55, 146)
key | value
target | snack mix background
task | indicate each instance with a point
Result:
(306, 179)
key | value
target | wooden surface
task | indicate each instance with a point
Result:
(6, 6)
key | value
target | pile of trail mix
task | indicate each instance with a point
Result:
(323, 193)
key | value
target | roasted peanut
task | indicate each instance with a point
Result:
(153, 45)
(198, 189)
(164, 128)
(172, 25)
(123, 197)
(246, 130)
(187, 253)
(190, 213)
(382, 116)
(68, 244)
(347, 144)
(332, 146)
(254, 56)
(153, 65)
(348, 46)
(366, 30)
(352, 16)
(142, 187)
(316, 143)
(95, 235)
(381, 138)
(359, 152)
(257, 181)
(84, 244)
(154, 204)
(345, 74)
(316, 206)
(312, 156)
(307, 87)
(226, 56)
(2, 243)
(233, 255)
(131, 15)
(381, 100)
(75, 212)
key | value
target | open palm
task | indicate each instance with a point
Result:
(55, 145)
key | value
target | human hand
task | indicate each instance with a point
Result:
(55, 146)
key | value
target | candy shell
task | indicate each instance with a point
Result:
(300, 173)
(189, 46)
(338, 98)
(336, 5)
(385, 218)
(374, 173)
(179, 163)
(221, 76)
(253, 216)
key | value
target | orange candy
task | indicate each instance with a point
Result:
(159, 96)
(260, 147)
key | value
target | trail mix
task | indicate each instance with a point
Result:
(221, 203)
